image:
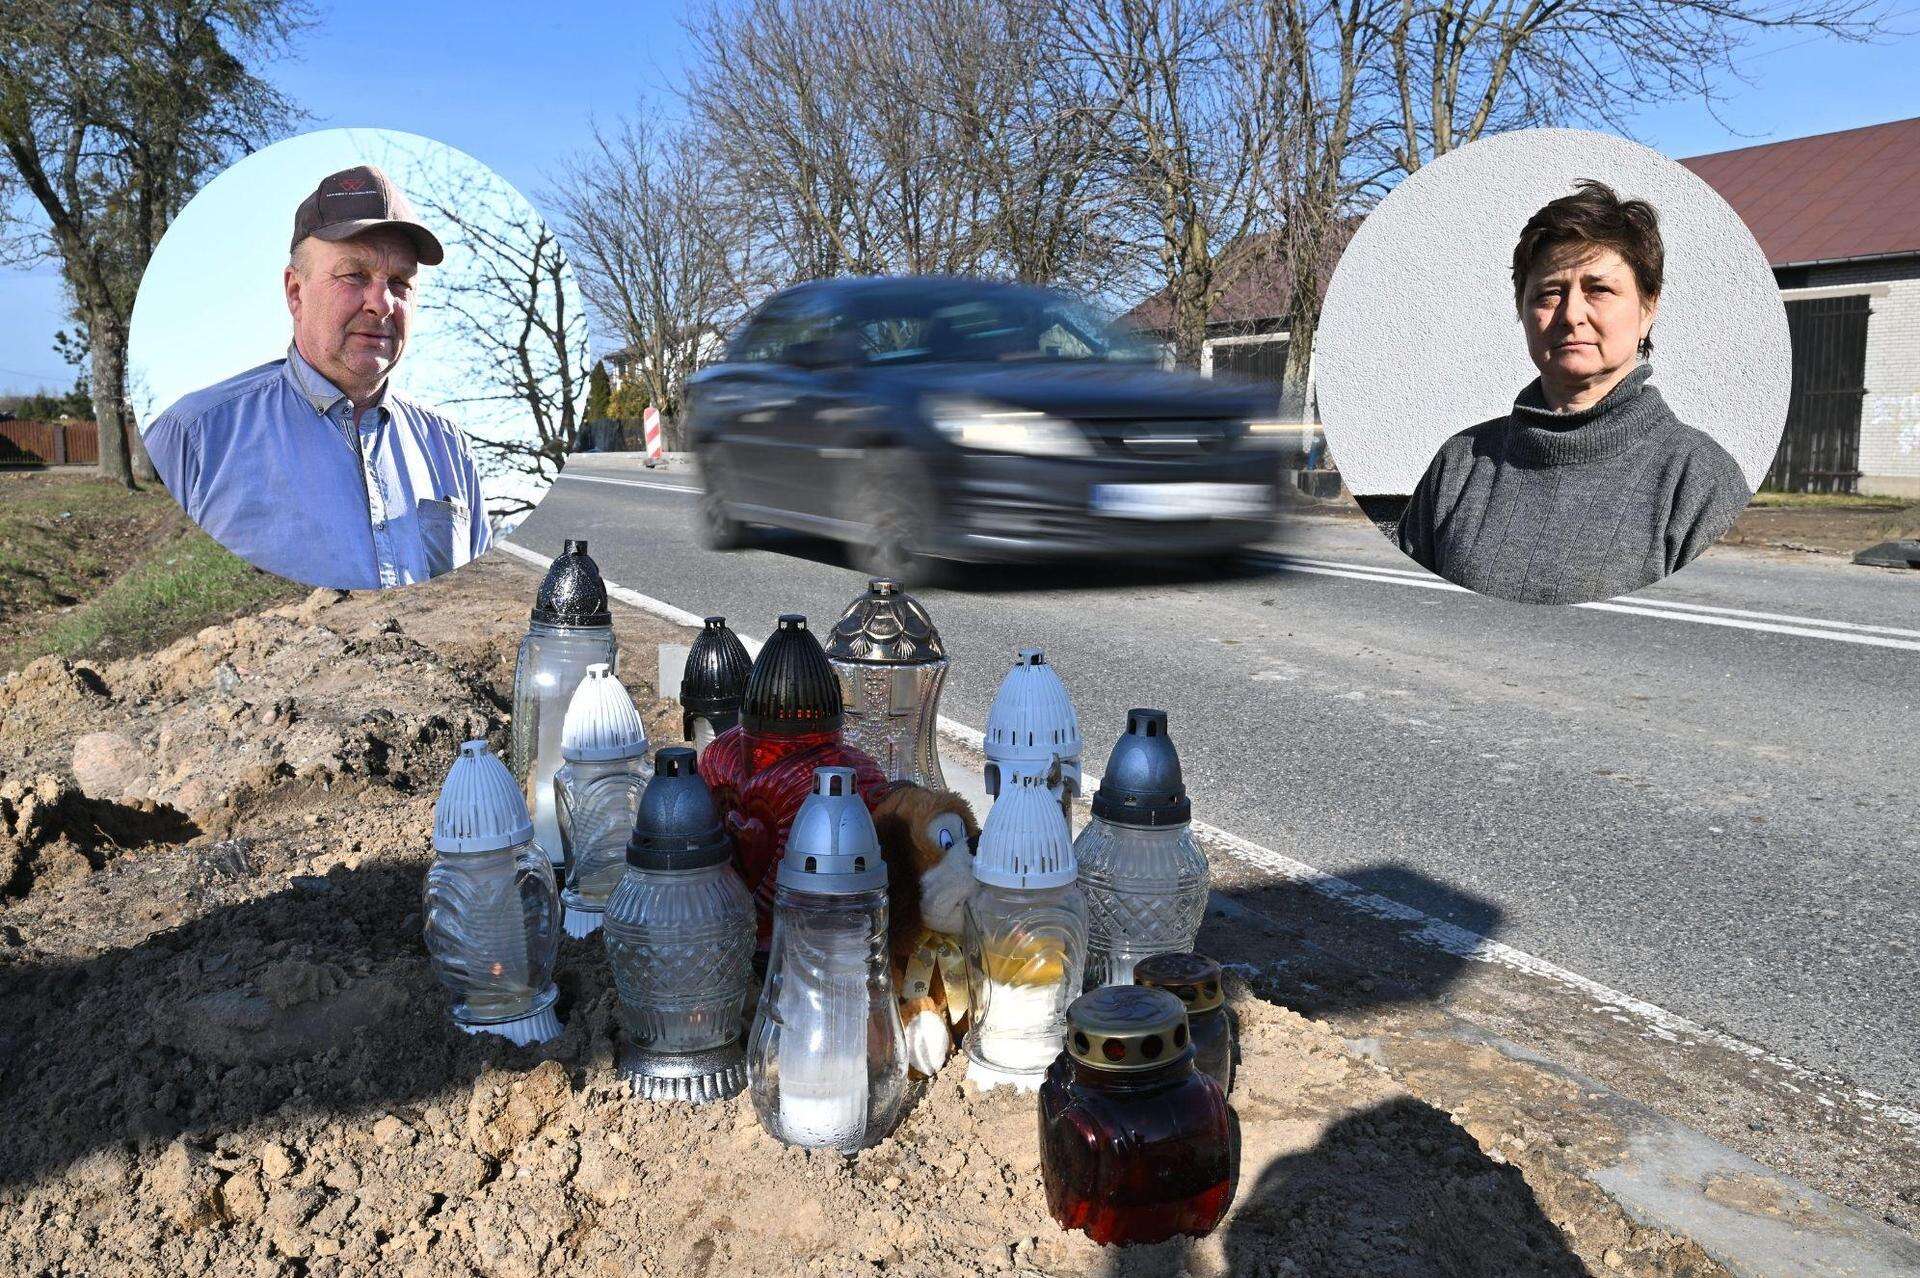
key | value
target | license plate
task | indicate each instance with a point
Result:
(1180, 501)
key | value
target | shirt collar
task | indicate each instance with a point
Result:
(314, 386)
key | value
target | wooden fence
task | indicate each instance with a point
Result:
(49, 444)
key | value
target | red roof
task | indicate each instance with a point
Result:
(1855, 193)
(1255, 286)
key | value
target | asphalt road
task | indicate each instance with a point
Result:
(1705, 797)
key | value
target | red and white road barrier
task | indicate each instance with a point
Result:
(650, 425)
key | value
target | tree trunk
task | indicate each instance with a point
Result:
(1294, 405)
(1190, 309)
(109, 386)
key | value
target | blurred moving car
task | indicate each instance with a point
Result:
(932, 418)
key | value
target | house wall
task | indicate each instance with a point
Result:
(1890, 413)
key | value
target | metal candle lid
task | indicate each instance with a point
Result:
(792, 688)
(832, 848)
(678, 827)
(715, 678)
(572, 593)
(1142, 784)
(602, 723)
(1126, 1027)
(481, 807)
(886, 626)
(1192, 978)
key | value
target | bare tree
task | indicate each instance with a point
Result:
(1192, 134)
(1465, 68)
(110, 117)
(658, 259)
(1374, 89)
(505, 293)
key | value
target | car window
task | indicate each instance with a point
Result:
(766, 335)
(780, 325)
(998, 324)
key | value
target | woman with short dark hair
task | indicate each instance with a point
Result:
(1590, 487)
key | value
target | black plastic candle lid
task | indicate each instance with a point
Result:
(792, 687)
(678, 827)
(572, 593)
(715, 679)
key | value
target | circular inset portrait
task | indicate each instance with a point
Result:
(358, 357)
(1553, 366)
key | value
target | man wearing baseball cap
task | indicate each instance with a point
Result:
(312, 466)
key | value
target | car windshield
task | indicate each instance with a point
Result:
(993, 325)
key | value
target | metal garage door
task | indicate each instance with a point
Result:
(1820, 451)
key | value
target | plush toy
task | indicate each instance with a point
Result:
(928, 838)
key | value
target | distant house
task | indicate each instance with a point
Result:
(1838, 216)
(1246, 330)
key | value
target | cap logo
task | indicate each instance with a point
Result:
(352, 184)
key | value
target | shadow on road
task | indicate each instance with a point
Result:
(1394, 1189)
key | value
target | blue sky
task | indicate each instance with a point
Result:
(515, 85)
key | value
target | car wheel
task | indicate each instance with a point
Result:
(896, 498)
(719, 530)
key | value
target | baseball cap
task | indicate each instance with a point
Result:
(360, 199)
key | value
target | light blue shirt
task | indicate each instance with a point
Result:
(272, 464)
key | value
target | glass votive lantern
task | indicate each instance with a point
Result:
(679, 937)
(713, 683)
(1032, 727)
(1144, 876)
(1136, 1145)
(1194, 979)
(827, 1058)
(603, 752)
(490, 904)
(571, 629)
(891, 665)
(1025, 936)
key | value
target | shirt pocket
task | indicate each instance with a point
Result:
(443, 533)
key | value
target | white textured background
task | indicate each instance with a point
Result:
(1419, 338)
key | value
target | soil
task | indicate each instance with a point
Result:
(1826, 530)
(222, 1049)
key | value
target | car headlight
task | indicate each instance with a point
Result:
(1001, 428)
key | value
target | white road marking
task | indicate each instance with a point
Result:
(632, 483)
(1435, 932)
(633, 598)
(1666, 610)
(1869, 636)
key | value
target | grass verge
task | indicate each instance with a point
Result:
(90, 569)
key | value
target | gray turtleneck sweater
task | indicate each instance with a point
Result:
(1561, 508)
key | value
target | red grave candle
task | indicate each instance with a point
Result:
(761, 770)
(1136, 1146)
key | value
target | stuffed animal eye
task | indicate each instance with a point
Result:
(946, 839)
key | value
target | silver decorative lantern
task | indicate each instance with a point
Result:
(891, 665)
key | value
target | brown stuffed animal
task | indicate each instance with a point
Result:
(928, 838)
